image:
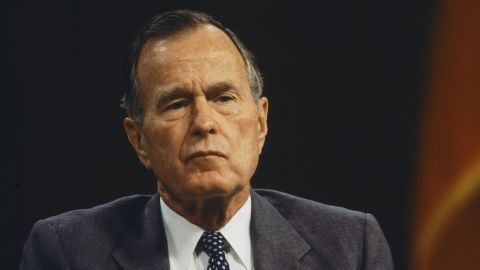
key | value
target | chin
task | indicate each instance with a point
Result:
(212, 184)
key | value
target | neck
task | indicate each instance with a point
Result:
(211, 213)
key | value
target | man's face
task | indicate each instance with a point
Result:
(202, 132)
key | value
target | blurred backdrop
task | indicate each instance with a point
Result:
(348, 83)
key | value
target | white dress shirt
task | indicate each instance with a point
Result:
(183, 236)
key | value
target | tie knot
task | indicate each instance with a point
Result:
(213, 243)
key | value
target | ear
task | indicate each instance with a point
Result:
(262, 122)
(134, 134)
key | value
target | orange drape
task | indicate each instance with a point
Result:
(446, 227)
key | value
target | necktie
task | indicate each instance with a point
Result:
(213, 243)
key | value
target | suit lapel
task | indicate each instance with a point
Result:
(276, 244)
(144, 245)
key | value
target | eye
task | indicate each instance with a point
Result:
(176, 105)
(224, 98)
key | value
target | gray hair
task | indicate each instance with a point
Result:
(168, 24)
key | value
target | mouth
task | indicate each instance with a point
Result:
(207, 153)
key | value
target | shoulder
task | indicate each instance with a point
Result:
(112, 215)
(333, 232)
(294, 208)
(307, 216)
(82, 236)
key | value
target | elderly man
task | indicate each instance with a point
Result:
(197, 119)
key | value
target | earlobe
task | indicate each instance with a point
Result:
(134, 135)
(262, 122)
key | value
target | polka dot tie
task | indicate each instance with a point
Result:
(213, 243)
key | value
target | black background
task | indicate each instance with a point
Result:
(345, 80)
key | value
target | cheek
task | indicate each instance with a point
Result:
(246, 141)
(163, 144)
(250, 124)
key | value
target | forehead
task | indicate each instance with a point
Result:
(205, 48)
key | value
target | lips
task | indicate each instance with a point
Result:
(205, 153)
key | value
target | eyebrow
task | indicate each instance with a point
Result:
(181, 92)
(219, 88)
(172, 94)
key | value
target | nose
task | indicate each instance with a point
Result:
(203, 118)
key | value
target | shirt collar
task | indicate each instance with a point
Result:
(237, 233)
(182, 236)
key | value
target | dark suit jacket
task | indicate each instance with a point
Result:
(287, 233)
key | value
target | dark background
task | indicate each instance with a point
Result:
(345, 81)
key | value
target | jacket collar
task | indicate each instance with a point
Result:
(144, 245)
(276, 244)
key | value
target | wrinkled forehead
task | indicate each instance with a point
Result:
(198, 45)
